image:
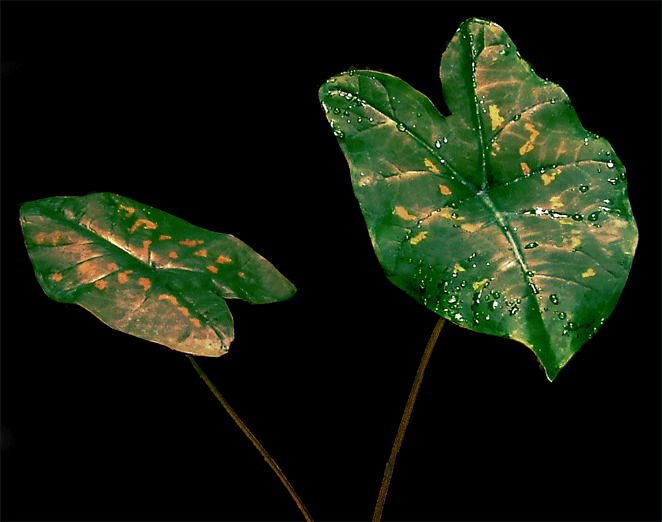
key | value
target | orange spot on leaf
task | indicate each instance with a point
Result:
(201, 253)
(241, 274)
(172, 255)
(145, 283)
(195, 322)
(162, 238)
(101, 284)
(112, 266)
(170, 298)
(183, 311)
(189, 242)
(56, 277)
(212, 269)
(123, 277)
(129, 210)
(149, 225)
(223, 259)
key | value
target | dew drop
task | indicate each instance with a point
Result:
(554, 299)
(610, 164)
(562, 315)
(401, 127)
(583, 189)
(577, 217)
(613, 181)
(571, 326)
(445, 140)
(534, 288)
(339, 134)
(530, 245)
(514, 310)
(437, 144)
(585, 141)
(593, 216)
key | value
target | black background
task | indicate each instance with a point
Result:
(209, 111)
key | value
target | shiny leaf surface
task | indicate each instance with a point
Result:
(506, 217)
(145, 272)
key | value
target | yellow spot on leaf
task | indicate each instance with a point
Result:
(123, 277)
(446, 213)
(496, 118)
(402, 212)
(572, 243)
(547, 179)
(223, 259)
(172, 255)
(201, 253)
(162, 238)
(56, 277)
(478, 284)
(589, 273)
(212, 269)
(144, 282)
(420, 237)
(112, 266)
(555, 201)
(149, 225)
(458, 268)
(525, 168)
(431, 166)
(129, 210)
(170, 298)
(471, 227)
(445, 190)
(101, 284)
(183, 311)
(241, 274)
(528, 146)
(195, 322)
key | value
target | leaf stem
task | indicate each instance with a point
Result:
(405, 420)
(261, 449)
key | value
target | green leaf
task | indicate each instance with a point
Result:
(145, 272)
(507, 217)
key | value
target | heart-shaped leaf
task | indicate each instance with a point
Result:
(507, 217)
(145, 272)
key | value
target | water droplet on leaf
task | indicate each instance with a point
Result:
(401, 127)
(530, 245)
(554, 299)
(610, 164)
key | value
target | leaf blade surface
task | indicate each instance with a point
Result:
(145, 272)
(507, 217)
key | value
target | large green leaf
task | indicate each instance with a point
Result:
(507, 217)
(145, 272)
